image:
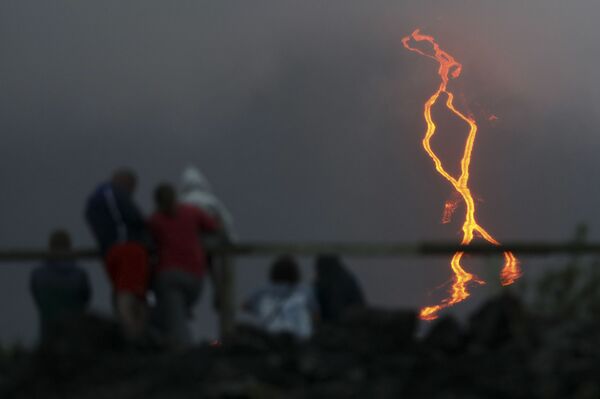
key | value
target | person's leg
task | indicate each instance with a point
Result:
(216, 277)
(127, 264)
(192, 288)
(131, 313)
(140, 316)
(172, 307)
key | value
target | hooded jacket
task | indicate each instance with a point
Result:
(113, 217)
(196, 190)
(60, 289)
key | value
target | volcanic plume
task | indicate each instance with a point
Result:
(448, 69)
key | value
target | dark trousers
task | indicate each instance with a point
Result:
(177, 292)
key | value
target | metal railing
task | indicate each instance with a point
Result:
(226, 254)
(347, 249)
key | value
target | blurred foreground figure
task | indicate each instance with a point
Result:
(197, 191)
(59, 287)
(182, 262)
(284, 306)
(119, 228)
(336, 288)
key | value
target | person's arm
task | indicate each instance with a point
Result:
(205, 222)
(250, 305)
(132, 216)
(226, 220)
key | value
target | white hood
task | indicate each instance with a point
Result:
(193, 180)
(196, 190)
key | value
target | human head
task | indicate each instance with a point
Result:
(125, 179)
(165, 198)
(193, 180)
(285, 271)
(59, 241)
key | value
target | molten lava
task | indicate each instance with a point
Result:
(450, 68)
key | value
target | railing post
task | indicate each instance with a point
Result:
(226, 294)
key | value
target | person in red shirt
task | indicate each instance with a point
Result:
(181, 264)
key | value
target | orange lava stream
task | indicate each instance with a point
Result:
(450, 68)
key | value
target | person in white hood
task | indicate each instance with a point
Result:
(196, 190)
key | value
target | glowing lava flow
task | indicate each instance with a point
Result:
(450, 68)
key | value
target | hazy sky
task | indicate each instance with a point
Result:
(306, 117)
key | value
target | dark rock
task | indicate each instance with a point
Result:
(83, 336)
(500, 320)
(370, 331)
(506, 353)
(250, 339)
(446, 335)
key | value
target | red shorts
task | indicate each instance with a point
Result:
(127, 267)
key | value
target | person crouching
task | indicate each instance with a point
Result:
(284, 305)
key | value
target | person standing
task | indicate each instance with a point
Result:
(60, 288)
(197, 191)
(176, 228)
(120, 230)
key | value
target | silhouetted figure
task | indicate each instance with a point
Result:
(60, 288)
(120, 231)
(336, 288)
(182, 262)
(197, 191)
(284, 305)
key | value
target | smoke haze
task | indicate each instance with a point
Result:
(305, 116)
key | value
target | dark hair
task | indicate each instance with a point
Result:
(59, 241)
(285, 270)
(165, 196)
(125, 178)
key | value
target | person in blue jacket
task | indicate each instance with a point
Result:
(120, 230)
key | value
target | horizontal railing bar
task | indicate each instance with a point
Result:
(346, 249)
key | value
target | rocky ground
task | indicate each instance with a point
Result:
(505, 352)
